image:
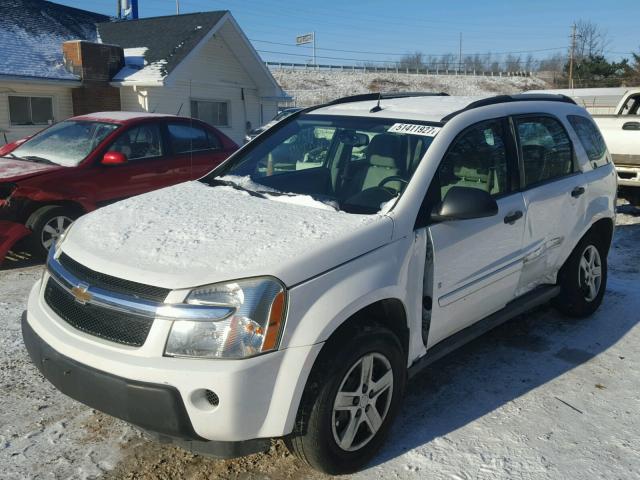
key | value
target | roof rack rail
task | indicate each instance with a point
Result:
(362, 97)
(518, 97)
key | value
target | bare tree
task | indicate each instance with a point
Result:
(512, 63)
(553, 63)
(529, 64)
(412, 61)
(591, 40)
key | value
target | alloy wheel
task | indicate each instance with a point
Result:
(362, 402)
(590, 274)
(52, 230)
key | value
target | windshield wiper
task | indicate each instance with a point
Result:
(36, 159)
(226, 183)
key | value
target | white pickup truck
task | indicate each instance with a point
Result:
(621, 131)
(616, 111)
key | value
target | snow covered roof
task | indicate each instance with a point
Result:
(155, 46)
(118, 116)
(32, 33)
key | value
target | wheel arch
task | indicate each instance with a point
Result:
(603, 228)
(28, 214)
(387, 313)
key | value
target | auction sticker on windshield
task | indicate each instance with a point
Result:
(414, 129)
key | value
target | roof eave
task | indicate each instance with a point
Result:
(61, 82)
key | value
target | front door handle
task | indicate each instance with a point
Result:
(631, 126)
(576, 192)
(513, 217)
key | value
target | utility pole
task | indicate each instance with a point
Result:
(572, 54)
(460, 54)
(314, 48)
(177, 7)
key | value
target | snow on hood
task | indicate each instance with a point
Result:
(192, 234)
(12, 170)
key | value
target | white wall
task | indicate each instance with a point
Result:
(213, 73)
(62, 106)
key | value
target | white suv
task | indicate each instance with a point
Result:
(292, 291)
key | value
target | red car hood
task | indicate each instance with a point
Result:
(12, 170)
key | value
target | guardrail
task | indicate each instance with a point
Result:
(408, 71)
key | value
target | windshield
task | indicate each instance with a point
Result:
(66, 143)
(355, 164)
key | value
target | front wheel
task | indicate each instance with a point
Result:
(583, 278)
(47, 225)
(351, 398)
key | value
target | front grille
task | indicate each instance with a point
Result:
(115, 326)
(113, 284)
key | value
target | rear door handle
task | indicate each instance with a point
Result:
(631, 126)
(576, 192)
(513, 217)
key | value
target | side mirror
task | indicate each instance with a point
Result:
(114, 158)
(464, 203)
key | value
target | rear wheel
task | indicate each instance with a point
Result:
(350, 401)
(583, 278)
(47, 224)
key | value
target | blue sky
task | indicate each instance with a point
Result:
(382, 30)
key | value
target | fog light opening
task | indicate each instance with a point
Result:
(205, 399)
(212, 398)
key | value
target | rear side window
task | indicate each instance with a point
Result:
(477, 159)
(590, 139)
(546, 149)
(190, 138)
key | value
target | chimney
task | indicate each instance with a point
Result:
(96, 64)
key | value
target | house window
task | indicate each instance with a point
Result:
(213, 112)
(30, 110)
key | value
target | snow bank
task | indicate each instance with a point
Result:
(311, 87)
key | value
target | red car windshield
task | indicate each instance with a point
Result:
(66, 143)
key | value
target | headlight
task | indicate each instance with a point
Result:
(253, 327)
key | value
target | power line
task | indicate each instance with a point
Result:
(405, 53)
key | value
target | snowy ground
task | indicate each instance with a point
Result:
(311, 87)
(542, 397)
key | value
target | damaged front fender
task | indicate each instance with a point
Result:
(10, 233)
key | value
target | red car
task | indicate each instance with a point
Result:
(85, 162)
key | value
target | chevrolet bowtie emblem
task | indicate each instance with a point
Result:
(81, 294)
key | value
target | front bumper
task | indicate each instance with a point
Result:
(258, 397)
(158, 408)
(10, 233)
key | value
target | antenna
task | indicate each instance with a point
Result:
(377, 108)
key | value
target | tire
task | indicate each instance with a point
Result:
(634, 196)
(321, 435)
(583, 278)
(46, 225)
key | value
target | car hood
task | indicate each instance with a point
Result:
(193, 234)
(12, 170)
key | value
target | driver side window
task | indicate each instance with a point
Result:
(476, 159)
(143, 141)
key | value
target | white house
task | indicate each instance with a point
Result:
(59, 61)
(199, 65)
